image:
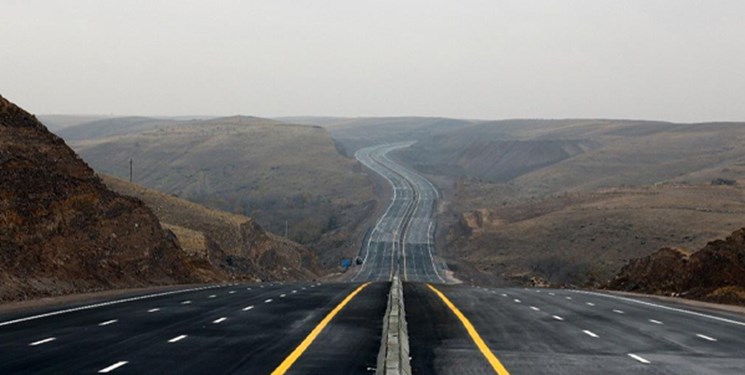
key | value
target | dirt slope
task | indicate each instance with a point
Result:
(235, 243)
(63, 231)
(716, 273)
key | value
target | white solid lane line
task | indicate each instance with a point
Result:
(248, 308)
(109, 303)
(517, 300)
(590, 333)
(185, 302)
(112, 321)
(534, 308)
(177, 339)
(655, 321)
(706, 337)
(639, 358)
(112, 367)
(40, 342)
(668, 308)
(558, 317)
(269, 300)
(617, 311)
(220, 320)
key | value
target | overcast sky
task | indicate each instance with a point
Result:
(678, 60)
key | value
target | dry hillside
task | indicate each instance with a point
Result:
(715, 273)
(63, 231)
(274, 172)
(235, 243)
(571, 201)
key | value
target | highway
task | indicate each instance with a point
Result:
(241, 328)
(338, 327)
(402, 239)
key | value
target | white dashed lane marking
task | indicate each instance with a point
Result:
(248, 308)
(706, 337)
(639, 358)
(112, 321)
(220, 320)
(617, 311)
(177, 339)
(212, 296)
(534, 308)
(41, 342)
(231, 292)
(282, 295)
(185, 302)
(558, 318)
(112, 367)
(269, 300)
(590, 333)
(517, 300)
(655, 321)
(590, 304)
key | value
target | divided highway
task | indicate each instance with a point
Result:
(338, 328)
(402, 240)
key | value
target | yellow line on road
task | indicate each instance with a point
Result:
(493, 361)
(290, 360)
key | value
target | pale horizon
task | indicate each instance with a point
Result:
(677, 61)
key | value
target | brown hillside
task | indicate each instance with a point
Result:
(715, 273)
(279, 174)
(63, 231)
(233, 242)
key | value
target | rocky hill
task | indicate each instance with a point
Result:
(234, 243)
(288, 177)
(63, 231)
(715, 273)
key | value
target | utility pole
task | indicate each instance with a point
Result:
(130, 170)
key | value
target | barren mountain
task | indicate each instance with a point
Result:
(287, 177)
(715, 273)
(63, 231)
(570, 201)
(234, 243)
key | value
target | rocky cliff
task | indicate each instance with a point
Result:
(63, 231)
(715, 273)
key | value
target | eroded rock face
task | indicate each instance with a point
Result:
(63, 231)
(715, 273)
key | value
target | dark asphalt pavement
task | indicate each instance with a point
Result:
(547, 331)
(236, 329)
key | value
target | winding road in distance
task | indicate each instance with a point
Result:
(401, 241)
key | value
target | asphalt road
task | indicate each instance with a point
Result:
(247, 329)
(548, 331)
(402, 239)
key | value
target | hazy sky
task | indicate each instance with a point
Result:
(676, 60)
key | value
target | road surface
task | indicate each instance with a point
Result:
(247, 329)
(402, 239)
